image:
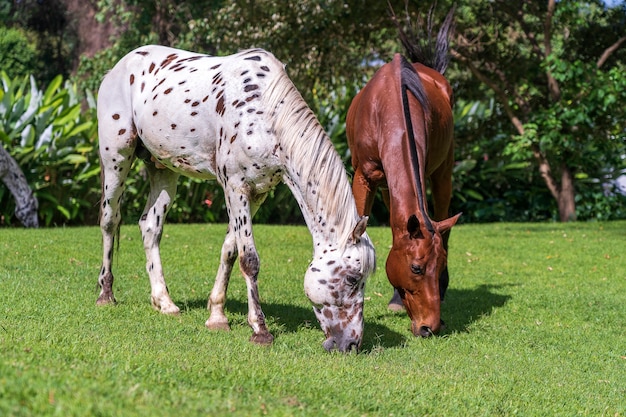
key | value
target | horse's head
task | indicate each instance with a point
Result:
(414, 267)
(335, 284)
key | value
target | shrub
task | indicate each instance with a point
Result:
(19, 54)
(54, 142)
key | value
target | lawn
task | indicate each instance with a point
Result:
(535, 319)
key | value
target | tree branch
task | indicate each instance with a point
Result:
(608, 51)
(501, 94)
(545, 171)
(544, 165)
(553, 85)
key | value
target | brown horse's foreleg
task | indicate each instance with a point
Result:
(162, 194)
(364, 192)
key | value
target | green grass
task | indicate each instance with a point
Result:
(535, 319)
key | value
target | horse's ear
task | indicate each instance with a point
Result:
(359, 229)
(413, 227)
(447, 224)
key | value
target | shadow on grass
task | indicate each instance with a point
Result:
(463, 307)
(290, 318)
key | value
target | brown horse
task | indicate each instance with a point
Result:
(400, 133)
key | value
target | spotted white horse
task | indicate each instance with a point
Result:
(25, 202)
(238, 119)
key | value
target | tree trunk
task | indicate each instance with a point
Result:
(566, 194)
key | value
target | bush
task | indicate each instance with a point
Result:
(54, 142)
(19, 54)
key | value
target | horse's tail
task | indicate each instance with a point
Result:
(419, 44)
(116, 233)
(410, 81)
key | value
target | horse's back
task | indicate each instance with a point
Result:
(375, 116)
(192, 111)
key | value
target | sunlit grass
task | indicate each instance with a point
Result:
(535, 326)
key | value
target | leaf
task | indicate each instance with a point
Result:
(474, 194)
(74, 159)
(52, 88)
(64, 211)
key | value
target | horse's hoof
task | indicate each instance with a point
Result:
(105, 299)
(395, 304)
(167, 307)
(217, 325)
(262, 338)
(171, 310)
(395, 307)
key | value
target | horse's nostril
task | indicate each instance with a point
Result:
(425, 331)
(351, 346)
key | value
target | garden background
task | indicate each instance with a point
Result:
(540, 88)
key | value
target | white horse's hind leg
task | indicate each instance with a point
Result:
(217, 319)
(115, 165)
(162, 193)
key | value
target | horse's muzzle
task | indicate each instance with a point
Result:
(425, 331)
(344, 346)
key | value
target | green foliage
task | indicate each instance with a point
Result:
(320, 42)
(54, 143)
(18, 52)
(331, 49)
(486, 184)
(554, 86)
(49, 28)
(534, 326)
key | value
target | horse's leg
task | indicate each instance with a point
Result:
(242, 203)
(217, 319)
(115, 164)
(395, 303)
(162, 193)
(364, 192)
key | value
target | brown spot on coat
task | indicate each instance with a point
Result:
(220, 108)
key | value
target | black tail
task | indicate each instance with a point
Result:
(418, 41)
(410, 81)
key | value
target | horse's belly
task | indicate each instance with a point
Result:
(192, 155)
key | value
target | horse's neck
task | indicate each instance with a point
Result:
(12, 176)
(330, 213)
(404, 188)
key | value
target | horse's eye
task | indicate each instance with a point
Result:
(417, 269)
(352, 279)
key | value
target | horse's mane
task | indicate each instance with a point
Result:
(311, 159)
(418, 41)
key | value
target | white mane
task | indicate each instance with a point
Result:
(311, 159)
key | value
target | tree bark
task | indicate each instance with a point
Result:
(566, 196)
